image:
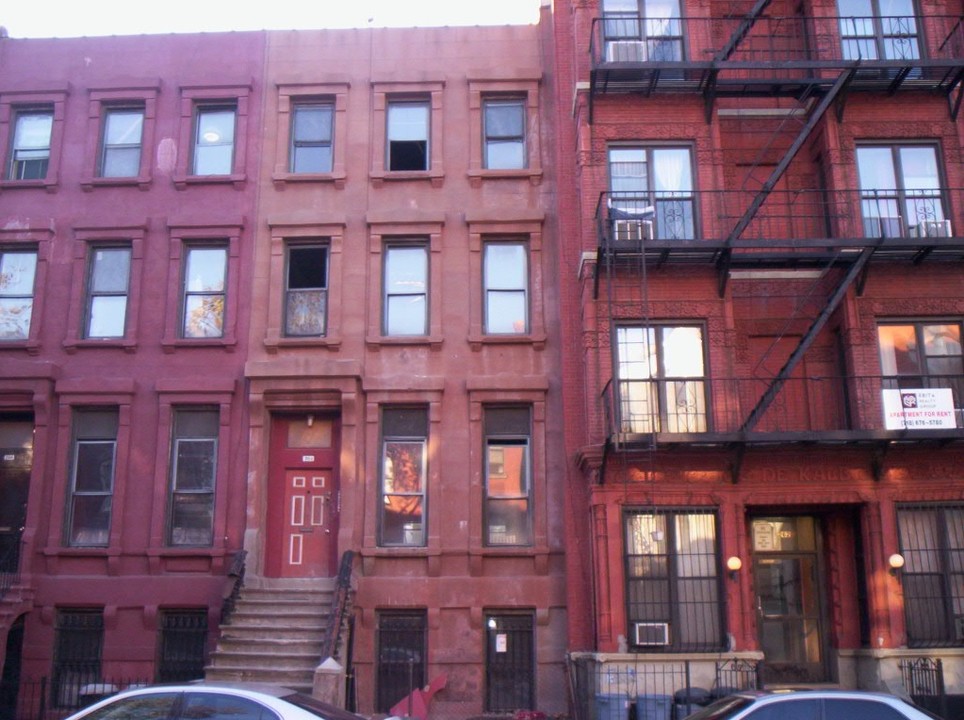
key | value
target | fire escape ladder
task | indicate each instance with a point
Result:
(806, 341)
(725, 257)
(708, 84)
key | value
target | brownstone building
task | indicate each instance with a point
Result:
(762, 298)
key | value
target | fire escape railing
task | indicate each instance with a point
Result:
(340, 608)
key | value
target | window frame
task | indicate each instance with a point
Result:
(502, 439)
(490, 289)
(523, 84)
(489, 138)
(11, 105)
(394, 247)
(304, 244)
(421, 495)
(202, 111)
(175, 491)
(106, 147)
(290, 96)
(187, 294)
(80, 428)
(657, 386)
(942, 606)
(879, 37)
(13, 162)
(23, 297)
(193, 98)
(398, 103)
(91, 294)
(296, 143)
(387, 93)
(102, 101)
(672, 608)
(638, 26)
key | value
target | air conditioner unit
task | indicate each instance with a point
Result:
(632, 230)
(626, 51)
(651, 634)
(932, 228)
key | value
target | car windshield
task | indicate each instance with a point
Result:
(722, 709)
(319, 708)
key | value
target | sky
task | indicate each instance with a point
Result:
(74, 18)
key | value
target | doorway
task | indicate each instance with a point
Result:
(303, 497)
(509, 662)
(787, 578)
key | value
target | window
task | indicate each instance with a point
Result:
(878, 30)
(92, 477)
(121, 142)
(505, 133)
(932, 543)
(662, 379)
(642, 30)
(509, 662)
(214, 141)
(78, 645)
(924, 355)
(402, 641)
(506, 288)
(107, 287)
(407, 135)
(403, 474)
(900, 191)
(30, 149)
(672, 580)
(156, 706)
(17, 272)
(311, 134)
(508, 470)
(182, 645)
(651, 188)
(405, 310)
(194, 452)
(205, 270)
(306, 290)
(223, 706)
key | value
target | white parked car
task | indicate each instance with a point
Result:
(212, 701)
(811, 705)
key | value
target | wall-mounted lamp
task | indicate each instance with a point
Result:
(896, 563)
(310, 420)
(733, 565)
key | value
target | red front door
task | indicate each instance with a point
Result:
(302, 498)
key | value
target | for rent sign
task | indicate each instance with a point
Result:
(919, 409)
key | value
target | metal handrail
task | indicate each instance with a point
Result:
(340, 607)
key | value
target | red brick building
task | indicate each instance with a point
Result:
(126, 207)
(762, 298)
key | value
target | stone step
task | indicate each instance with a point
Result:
(253, 633)
(305, 662)
(301, 680)
(312, 621)
(270, 645)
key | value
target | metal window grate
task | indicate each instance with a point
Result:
(182, 645)
(401, 656)
(77, 655)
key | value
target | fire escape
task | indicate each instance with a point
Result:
(808, 66)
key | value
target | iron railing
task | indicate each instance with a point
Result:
(813, 408)
(924, 682)
(797, 44)
(685, 220)
(340, 608)
(41, 699)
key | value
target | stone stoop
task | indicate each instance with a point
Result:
(274, 634)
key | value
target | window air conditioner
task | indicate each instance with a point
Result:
(932, 228)
(651, 633)
(626, 51)
(632, 230)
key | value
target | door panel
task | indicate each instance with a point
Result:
(307, 531)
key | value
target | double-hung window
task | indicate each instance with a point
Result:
(506, 287)
(214, 128)
(508, 476)
(404, 465)
(504, 127)
(407, 135)
(672, 580)
(311, 137)
(405, 301)
(107, 288)
(932, 543)
(17, 272)
(879, 29)
(642, 30)
(306, 290)
(194, 452)
(204, 288)
(91, 477)
(924, 355)
(651, 193)
(30, 147)
(662, 379)
(121, 139)
(900, 191)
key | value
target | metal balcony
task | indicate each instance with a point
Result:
(791, 230)
(706, 412)
(774, 56)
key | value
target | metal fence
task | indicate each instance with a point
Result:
(653, 690)
(924, 681)
(40, 699)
